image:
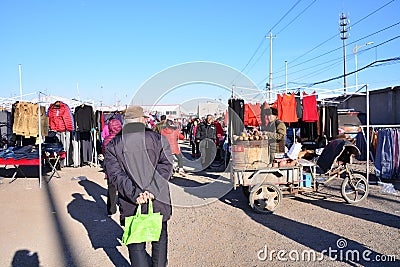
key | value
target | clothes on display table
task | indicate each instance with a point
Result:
(387, 158)
(84, 118)
(52, 147)
(17, 153)
(60, 117)
(26, 119)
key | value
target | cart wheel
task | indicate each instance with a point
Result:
(265, 198)
(246, 190)
(354, 190)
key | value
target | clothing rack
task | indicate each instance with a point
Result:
(368, 141)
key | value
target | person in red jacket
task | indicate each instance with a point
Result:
(173, 134)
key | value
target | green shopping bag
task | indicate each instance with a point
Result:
(142, 227)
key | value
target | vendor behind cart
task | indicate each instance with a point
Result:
(276, 132)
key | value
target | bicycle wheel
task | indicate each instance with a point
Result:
(354, 190)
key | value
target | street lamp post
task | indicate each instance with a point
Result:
(355, 50)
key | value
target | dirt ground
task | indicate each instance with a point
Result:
(64, 223)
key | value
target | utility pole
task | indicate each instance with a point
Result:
(286, 75)
(20, 81)
(344, 22)
(269, 88)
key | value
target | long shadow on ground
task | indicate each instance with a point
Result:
(316, 239)
(102, 231)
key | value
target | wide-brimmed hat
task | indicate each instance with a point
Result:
(134, 112)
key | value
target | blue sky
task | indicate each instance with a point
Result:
(110, 48)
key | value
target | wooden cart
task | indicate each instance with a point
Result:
(265, 185)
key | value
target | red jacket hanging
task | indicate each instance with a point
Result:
(310, 113)
(60, 117)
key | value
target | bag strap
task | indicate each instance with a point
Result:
(139, 210)
(149, 211)
(150, 208)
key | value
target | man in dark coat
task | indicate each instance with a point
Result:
(207, 135)
(139, 166)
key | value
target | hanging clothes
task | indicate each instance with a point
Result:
(252, 114)
(84, 118)
(288, 108)
(60, 117)
(309, 130)
(310, 113)
(278, 105)
(86, 145)
(387, 158)
(299, 106)
(5, 126)
(329, 125)
(236, 115)
(26, 119)
(263, 115)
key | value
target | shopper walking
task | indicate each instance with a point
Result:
(114, 127)
(172, 134)
(193, 141)
(207, 135)
(160, 124)
(139, 166)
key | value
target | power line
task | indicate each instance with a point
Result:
(380, 62)
(270, 30)
(336, 59)
(334, 36)
(326, 53)
(265, 50)
(262, 41)
(326, 68)
(258, 59)
(301, 13)
(255, 52)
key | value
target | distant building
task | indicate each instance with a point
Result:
(172, 111)
(383, 105)
(214, 108)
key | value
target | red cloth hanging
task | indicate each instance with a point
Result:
(310, 113)
(288, 108)
(252, 114)
(278, 105)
